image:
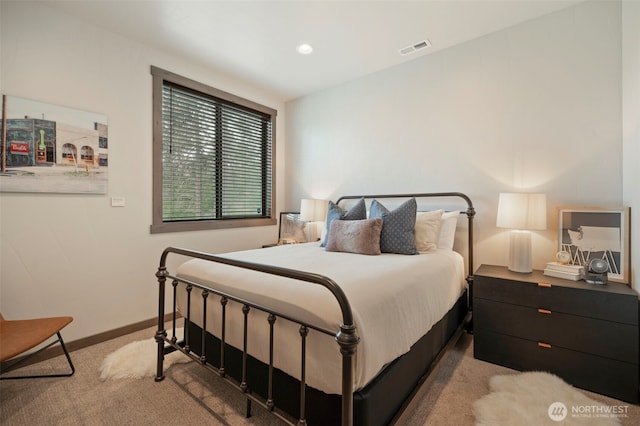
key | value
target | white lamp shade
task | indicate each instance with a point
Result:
(522, 211)
(312, 210)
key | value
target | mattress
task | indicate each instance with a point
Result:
(395, 300)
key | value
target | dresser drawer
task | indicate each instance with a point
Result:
(603, 338)
(602, 375)
(576, 298)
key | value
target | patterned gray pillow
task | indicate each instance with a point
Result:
(398, 227)
(334, 212)
(355, 236)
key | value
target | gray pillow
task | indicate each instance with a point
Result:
(334, 212)
(398, 227)
(355, 236)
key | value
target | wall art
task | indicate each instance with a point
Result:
(291, 229)
(52, 149)
(590, 233)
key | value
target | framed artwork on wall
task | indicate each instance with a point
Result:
(52, 149)
(596, 233)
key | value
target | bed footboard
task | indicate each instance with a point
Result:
(347, 337)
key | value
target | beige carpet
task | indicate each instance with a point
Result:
(191, 396)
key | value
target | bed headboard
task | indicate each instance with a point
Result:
(449, 201)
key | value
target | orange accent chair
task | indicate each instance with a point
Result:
(19, 336)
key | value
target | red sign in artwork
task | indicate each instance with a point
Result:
(19, 148)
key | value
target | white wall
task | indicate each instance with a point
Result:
(631, 124)
(535, 107)
(74, 254)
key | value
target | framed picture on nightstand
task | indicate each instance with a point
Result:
(596, 233)
(292, 230)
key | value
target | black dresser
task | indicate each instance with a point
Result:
(587, 334)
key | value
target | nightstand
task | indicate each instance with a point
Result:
(587, 334)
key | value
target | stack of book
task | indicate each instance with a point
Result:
(566, 271)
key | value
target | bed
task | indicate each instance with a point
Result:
(324, 332)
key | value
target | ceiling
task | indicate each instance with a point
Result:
(255, 41)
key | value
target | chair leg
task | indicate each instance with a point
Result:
(19, 363)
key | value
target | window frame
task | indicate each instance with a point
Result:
(160, 226)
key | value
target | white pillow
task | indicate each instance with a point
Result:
(448, 224)
(427, 230)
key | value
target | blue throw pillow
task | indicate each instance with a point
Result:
(398, 227)
(334, 211)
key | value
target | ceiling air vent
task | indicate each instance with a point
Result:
(415, 47)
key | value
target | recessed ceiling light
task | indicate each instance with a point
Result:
(304, 49)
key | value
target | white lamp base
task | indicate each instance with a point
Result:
(312, 230)
(520, 256)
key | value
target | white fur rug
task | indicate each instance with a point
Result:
(138, 359)
(537, 398)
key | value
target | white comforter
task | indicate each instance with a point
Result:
(395, 300)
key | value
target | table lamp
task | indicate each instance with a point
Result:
(522, 213)
(313, 211)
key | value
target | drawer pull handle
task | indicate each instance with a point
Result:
(544, 345)
(544, 311)
(545, 285)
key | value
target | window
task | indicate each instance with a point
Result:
(86, 153)
(69, 152)
(213, 157)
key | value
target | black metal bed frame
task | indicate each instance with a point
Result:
(347, 337)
